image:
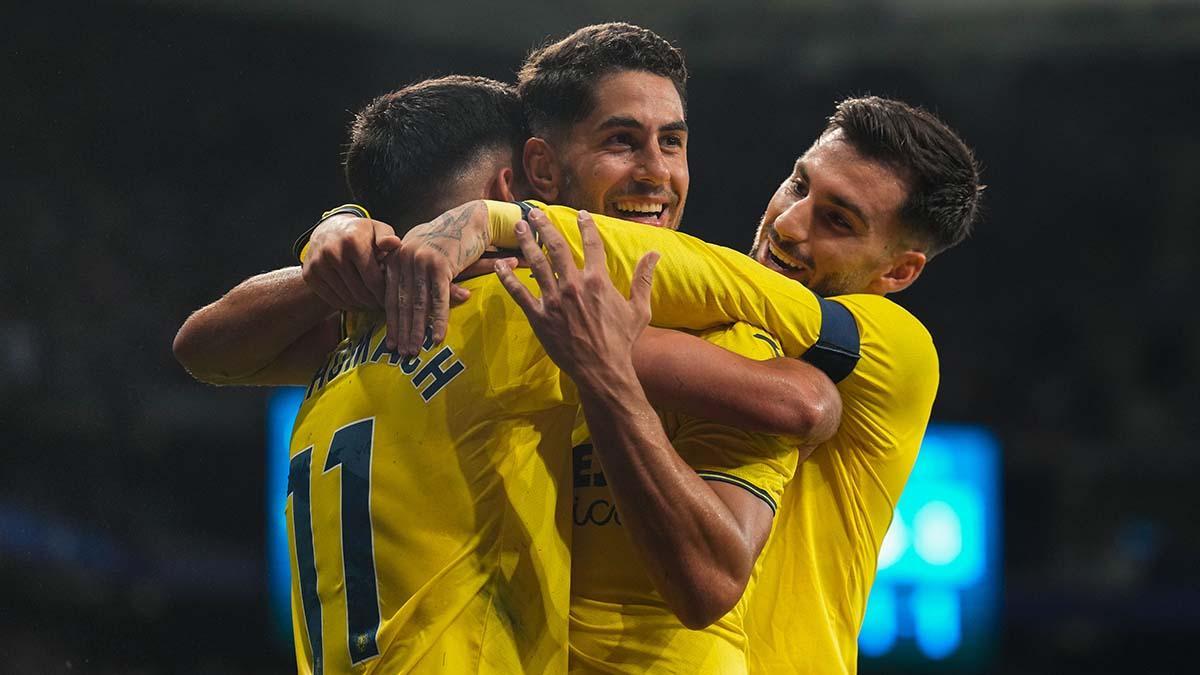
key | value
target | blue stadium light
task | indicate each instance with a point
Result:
(937, 584)
(282, 406)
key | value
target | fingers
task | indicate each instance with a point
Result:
(481, 267)
(459, 295)
(594, 257)
(391, 306)
(641, 284)
(561, 260)
(322, 276)
(418, 314)
(365, 279)
(403, 298)
(439, 310)
(327, 294)
(524, 299)
(387, 244)
(384, 240)
(533, 255)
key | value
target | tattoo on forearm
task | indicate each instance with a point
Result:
(447, 232)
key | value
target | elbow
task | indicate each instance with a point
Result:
(702, 607)
(189, 350)
(706, 598)
(817, 418)
(808, 416)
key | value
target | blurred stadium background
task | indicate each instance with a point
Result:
(158, 152)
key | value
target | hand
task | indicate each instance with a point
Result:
(342, 266)
(420, 274)
(586, 325)
(392, 276)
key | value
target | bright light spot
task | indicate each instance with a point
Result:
(878, 632)
(936, 615)
(937, 533)
(895, 542)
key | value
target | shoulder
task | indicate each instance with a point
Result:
(898, 368)
(886, 328)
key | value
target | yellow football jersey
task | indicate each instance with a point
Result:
(619, 622)
(697, 285)
(428, 519)
(818, 566)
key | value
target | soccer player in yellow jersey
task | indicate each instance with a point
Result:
(884, 188)
(425, 512)
(327, 437)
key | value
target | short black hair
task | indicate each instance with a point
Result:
(557, 79)
(943, 177)
(407, 144)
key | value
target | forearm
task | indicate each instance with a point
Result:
(237, 338)
(684, 373)
(689, 540)
(697, 285)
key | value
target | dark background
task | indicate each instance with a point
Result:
(157, 153)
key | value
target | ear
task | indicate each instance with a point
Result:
(541, 169)
(500, 186)
(905, 269)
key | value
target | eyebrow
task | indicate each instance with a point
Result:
(836, 199)
(623, 122)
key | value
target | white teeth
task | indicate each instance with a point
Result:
(640, 207)
(781, 258)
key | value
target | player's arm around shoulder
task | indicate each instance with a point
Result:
(753, 387)
(270, 329)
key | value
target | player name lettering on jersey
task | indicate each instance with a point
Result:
(430, 371)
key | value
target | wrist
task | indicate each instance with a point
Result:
(300, 247)
(614, 381)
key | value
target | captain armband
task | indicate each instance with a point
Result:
(837, 350)
(300, 247)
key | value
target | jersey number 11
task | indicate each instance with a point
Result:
(351, 450)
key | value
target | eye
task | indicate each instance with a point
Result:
(839, 221)
(673, 140)
(799, 188)
(619, 139)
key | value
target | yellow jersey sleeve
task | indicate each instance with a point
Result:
(697, 285)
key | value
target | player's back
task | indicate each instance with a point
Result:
(427, 526)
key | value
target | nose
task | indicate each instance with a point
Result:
(652, 166)
(793, 224)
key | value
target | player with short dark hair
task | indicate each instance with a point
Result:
(940, 170)
(405, 145)
(557, 81)
(425, 510)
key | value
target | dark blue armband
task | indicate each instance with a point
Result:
(836, 352)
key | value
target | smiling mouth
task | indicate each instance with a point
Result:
(649, 213)
(780, 261)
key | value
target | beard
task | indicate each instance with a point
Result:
(824, 285)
